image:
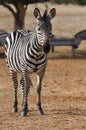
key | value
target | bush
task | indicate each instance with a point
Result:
(80, 2)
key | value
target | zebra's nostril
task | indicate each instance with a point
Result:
(47, 47)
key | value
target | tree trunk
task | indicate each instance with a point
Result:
(18, 22)
(19, 17)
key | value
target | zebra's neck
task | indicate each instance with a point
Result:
(35, 47)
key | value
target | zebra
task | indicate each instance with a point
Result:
(3, 35)
(80, 36)
(27, 54)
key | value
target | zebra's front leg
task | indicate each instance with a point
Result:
(25, 93)
(22, 92)
(15, 84)
(39, 85)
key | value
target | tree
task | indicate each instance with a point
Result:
(79, 2)
(18, 10)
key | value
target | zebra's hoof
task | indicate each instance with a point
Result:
(40, 112)
(23, 113)
(15, 109)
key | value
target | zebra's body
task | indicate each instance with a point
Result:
(34, 61)
(25, 54)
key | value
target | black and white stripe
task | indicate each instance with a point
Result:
(3, 35)
(25, 53)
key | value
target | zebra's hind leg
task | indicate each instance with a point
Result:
(15, 84)
(39, 85)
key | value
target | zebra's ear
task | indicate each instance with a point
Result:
(52, 13)
(37, 13)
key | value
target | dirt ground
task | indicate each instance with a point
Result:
(63, 98)
(64, 84)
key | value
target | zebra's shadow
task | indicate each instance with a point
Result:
(70, 112)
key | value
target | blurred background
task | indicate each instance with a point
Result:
(70, 17)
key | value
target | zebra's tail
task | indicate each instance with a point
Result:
(30, 82)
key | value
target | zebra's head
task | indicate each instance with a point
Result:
(44, 26)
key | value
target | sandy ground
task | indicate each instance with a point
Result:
(63, 98)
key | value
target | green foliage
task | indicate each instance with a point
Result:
(80, 2)
(61, 1)
(22, 1)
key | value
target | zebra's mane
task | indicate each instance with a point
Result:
(45, 13)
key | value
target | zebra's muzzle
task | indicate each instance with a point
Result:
(46, 47)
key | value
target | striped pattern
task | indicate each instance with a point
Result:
(17, 50)
(3, 35)
(25, 53)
